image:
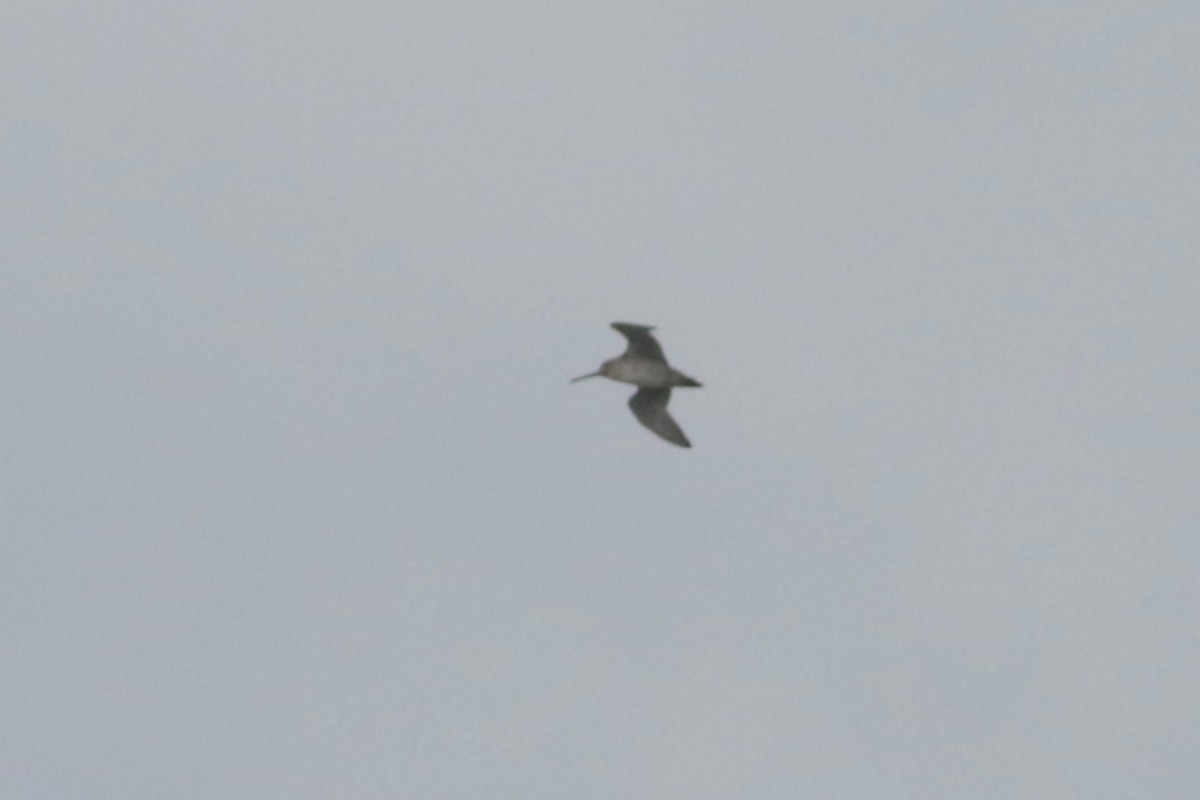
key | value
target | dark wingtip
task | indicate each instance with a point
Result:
(682, 441)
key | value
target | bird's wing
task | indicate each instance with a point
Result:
(641, 343)
(650, 407)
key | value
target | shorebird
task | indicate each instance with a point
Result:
(644, 365)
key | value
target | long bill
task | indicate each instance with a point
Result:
(581, 377)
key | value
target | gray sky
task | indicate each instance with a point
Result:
(298, 502)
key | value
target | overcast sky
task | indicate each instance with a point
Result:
(298, 502)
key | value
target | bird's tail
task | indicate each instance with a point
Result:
(679, 379)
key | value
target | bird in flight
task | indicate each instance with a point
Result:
(644, 365)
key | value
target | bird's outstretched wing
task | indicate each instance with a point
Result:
(650, 408)
(641, 343)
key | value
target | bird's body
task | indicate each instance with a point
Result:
(639, 372)
(644, 365)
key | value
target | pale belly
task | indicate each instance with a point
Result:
(653, 374)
